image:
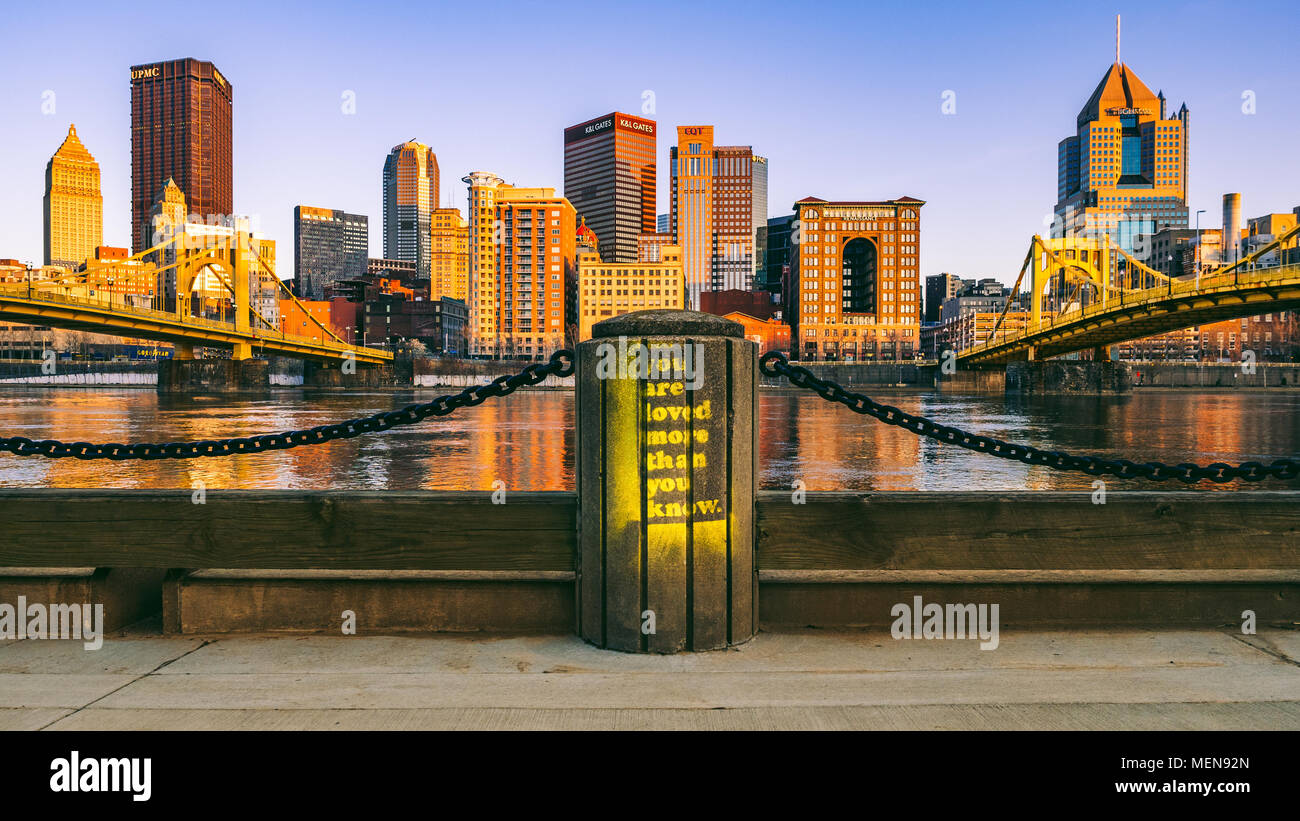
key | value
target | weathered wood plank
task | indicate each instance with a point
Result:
(707, 563)
(1030, 530)
(590, 447)
(370, 530)
(420, 530)
(742, 575)
(624, 565)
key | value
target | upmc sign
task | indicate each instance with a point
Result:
(623, 121)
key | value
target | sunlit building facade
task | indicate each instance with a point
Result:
(649, 247)
(411, 186)
(855, 290)
(110, 274)
(607, 290)
(1123, 174)
(74, 206)
(719, 203)
(448, 255)
(522, 277)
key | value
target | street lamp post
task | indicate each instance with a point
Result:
(1198, 248)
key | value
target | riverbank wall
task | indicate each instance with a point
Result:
(1048, 376)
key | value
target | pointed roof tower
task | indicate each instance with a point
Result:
(170, 192)
(1119, 88)
(72, 149)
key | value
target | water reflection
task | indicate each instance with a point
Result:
(526, 440)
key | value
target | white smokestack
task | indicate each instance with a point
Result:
(1230, 247)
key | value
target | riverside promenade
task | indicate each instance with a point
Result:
(1113, 679)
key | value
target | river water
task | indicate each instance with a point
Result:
(526, 440)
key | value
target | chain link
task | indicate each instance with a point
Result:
(560, 364)
(774, 363)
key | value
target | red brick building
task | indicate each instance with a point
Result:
(770, 334)
(757, 304)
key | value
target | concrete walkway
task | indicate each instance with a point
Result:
(813, 679)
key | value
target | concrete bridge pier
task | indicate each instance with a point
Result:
(1076, 376)
(189, 375)
(338, 375)
(972, 380)
(667, 470)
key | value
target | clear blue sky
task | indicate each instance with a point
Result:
(843, 98)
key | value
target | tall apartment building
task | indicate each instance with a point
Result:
(448, 255)
(411, 186)
(328, 245)
(608, 289)
(719, 203)
(522, 279)
(609, 177)
(1124, 172)
(180, 130)
(74, 206)
(855, 291)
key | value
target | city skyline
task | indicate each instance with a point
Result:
(993, 147)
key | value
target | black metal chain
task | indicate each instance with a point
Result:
(775, 363)
(560, 364)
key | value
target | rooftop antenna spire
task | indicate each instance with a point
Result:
(1117, 38)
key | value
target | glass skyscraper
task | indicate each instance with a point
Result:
(411, 187)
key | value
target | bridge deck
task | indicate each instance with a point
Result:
(18, 303)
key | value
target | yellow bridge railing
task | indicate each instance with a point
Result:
(54, 295)
(1115, 301)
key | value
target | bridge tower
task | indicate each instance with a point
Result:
(1074, 271)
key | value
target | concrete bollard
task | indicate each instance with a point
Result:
(666, 464)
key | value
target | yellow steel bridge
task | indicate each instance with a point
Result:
(192, 291)
(1087, 294)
